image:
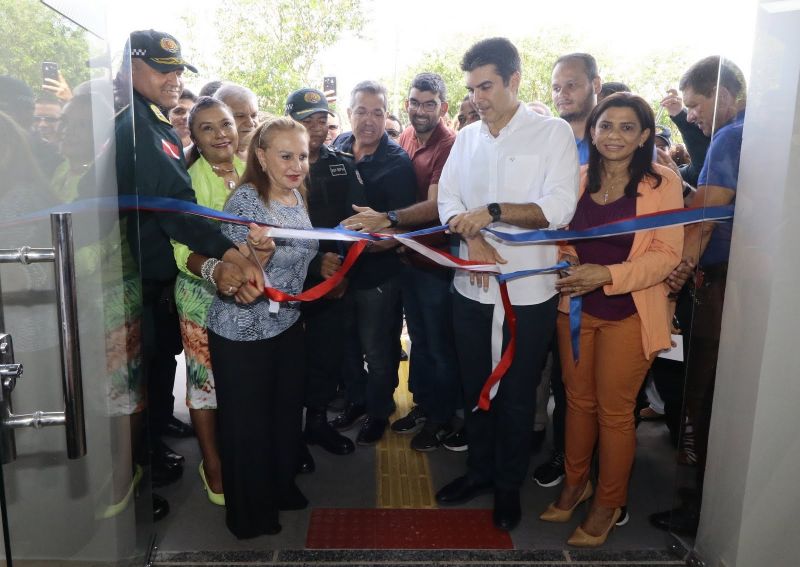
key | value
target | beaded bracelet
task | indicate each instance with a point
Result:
(207, 270)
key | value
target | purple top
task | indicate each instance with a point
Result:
(604, 251)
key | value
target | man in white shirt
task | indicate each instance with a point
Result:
(517, 171)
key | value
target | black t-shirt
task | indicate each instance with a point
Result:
(334, 187)
(390, 184)
(155, 167)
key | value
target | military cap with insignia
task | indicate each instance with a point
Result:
(304, 102)
(159, 50)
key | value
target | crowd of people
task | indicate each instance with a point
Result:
(262, 374)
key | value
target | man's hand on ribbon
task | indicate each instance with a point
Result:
(482, 251)
(583, 279)
(366, 220)
(681, 274)
(470, 223)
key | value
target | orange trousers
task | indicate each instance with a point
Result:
(601, 399)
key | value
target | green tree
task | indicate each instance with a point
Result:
(33, 33)
(272, 46)
(647, 73)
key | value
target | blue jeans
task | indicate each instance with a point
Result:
(433, 371)
(376, 315)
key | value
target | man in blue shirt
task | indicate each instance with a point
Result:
(713, 90)
(574, 87)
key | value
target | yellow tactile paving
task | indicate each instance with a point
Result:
(403, 478)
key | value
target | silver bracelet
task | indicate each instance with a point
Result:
(207, 270)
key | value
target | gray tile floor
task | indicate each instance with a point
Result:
(194, 533)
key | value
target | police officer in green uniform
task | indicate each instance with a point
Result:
(334, 188)
(154, 166)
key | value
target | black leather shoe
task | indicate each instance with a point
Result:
(372, 430)
(305, 462)
(177, 428)
(507, 511)
(348, 418)
(682, 521)
(292, 499)
(161, 453)
(162, 474)
(320, 432)
(461, 490)
(160, 507)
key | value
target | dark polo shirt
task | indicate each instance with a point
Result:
(390, 184)
(427, 159)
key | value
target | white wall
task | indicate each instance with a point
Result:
(750, 505)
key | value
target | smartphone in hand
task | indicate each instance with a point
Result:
(49, 71)
(329, 84)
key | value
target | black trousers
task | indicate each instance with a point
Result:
(259, 407)
(500, 439)
(161, 337)
(325, 328)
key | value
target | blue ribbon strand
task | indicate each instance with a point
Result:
(635, 224)
(575, 308)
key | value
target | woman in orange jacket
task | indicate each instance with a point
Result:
(626, 317)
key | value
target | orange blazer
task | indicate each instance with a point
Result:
(654, 254)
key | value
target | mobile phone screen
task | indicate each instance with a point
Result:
(50, 70)
(329, 84)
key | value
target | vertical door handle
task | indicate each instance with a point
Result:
(66, 300)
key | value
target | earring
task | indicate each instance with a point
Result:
(641, 145)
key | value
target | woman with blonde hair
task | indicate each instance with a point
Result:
(257, 352)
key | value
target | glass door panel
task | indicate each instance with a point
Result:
(75, 489)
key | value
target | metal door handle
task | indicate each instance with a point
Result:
(72, 418)
(67, 302)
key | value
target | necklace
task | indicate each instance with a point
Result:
(220, 169)
(610, 188)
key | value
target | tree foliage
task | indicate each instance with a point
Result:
(272, 46)
(648, 74)
(32, 33)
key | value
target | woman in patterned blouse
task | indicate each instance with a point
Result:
(257, 348)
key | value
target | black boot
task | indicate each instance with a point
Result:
(320, 432)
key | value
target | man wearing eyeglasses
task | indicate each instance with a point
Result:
(46, 114)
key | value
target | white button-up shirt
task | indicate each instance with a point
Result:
(532, 160)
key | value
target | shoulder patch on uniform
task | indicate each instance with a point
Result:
(159, 114)
(338, 169)
(170, 149)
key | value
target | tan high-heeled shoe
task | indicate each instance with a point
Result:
(582, 539)
(554, 514)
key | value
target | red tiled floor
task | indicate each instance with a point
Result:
(349, 528)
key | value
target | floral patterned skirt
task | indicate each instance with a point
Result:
(193, 299)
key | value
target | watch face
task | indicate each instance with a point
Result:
(392, 216)
(494, 210)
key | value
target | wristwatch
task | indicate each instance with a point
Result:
(494, 210)
(394, 220)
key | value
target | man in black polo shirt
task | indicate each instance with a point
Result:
(390, 184)
(155, 167)
(334, 189)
